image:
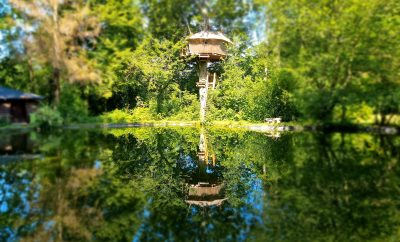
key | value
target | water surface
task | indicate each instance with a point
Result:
(153, 184)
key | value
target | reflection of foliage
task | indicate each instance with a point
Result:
(342, 188)
(131, 183)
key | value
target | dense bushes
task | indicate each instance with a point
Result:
(46, 117)
(73, 107)
(252, 88)
(128, 116)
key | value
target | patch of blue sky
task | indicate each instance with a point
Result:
(256, 22)
(4, 10)
(22, 190)
(97, 164)
(4, 7)
(187, 162)
(209, 170)
(20, 29)
(49, 225)
(145, 215)
(252, 213)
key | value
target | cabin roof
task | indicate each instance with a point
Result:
(11, 94)
(210, 35)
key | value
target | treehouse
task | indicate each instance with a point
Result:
(208, 45)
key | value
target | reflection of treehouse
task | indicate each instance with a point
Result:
(209, 190)
(204, 195)
(203, 150)
(276, 135)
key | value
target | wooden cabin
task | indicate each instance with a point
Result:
(16, 106)
(208, 45)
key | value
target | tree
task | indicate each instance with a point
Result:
(335, 49)
(157, 68)
(167, 19)
(61, 33)
(251, 86)
(121, 33)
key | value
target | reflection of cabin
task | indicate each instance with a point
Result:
(17, 147)
(208, 45)
(16, 106)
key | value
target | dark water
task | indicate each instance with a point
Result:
(148, 184)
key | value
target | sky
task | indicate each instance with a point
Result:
(4, 9)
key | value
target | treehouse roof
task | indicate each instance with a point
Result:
(210, 35)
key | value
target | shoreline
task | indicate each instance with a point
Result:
(255, 127)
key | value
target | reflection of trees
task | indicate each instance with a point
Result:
(124, 184)
(46, 196)
(161, 165)
(338, 187)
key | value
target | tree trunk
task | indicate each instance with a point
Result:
(383, 119)
(159, 101)
(32, 76)
(343, 116)
(55, 88)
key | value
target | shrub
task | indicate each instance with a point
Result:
(4, 121)
(139, 114)
(73, 108)
(116, 116)
(46, 117)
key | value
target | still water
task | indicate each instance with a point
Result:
(153, 184)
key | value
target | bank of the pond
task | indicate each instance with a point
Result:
(242, 125)
(299, 127)
(257, 127)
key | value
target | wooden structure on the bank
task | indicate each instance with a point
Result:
(207, 46)
(16, 106)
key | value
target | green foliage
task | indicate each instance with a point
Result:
(320, 61)
(338, 52)
(46, 117)
(157, 68)
(4, 121)
(121, 34)
(252, 88)
(184, 106)
(116, 116)
(73, 108)
(168, 19)
(139, 114)
(108, 184)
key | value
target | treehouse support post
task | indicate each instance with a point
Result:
(203, 89)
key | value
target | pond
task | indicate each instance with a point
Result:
(186, 184)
